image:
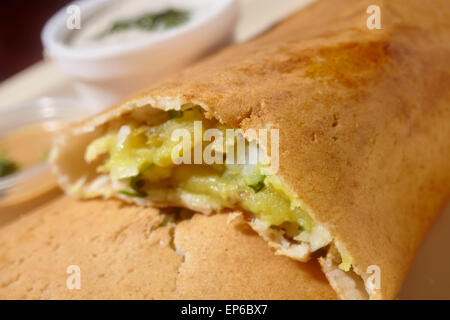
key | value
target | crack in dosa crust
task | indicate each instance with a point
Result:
(124, 252)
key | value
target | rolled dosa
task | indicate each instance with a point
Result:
(364, 125)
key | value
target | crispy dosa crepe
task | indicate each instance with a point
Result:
(128, 252)
(364, 124)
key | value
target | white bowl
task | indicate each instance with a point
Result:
(103, 75)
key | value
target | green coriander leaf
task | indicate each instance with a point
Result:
(175, 114)
(7, 166)
(132, 194)
(257, 186)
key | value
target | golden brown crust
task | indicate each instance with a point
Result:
(125, 252)
(363, 118)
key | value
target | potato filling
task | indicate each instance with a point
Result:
(138, 159)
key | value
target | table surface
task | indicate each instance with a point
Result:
(429, 276)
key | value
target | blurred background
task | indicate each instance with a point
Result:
(25, 75)
(21, 22)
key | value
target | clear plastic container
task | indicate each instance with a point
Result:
(23, 128)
